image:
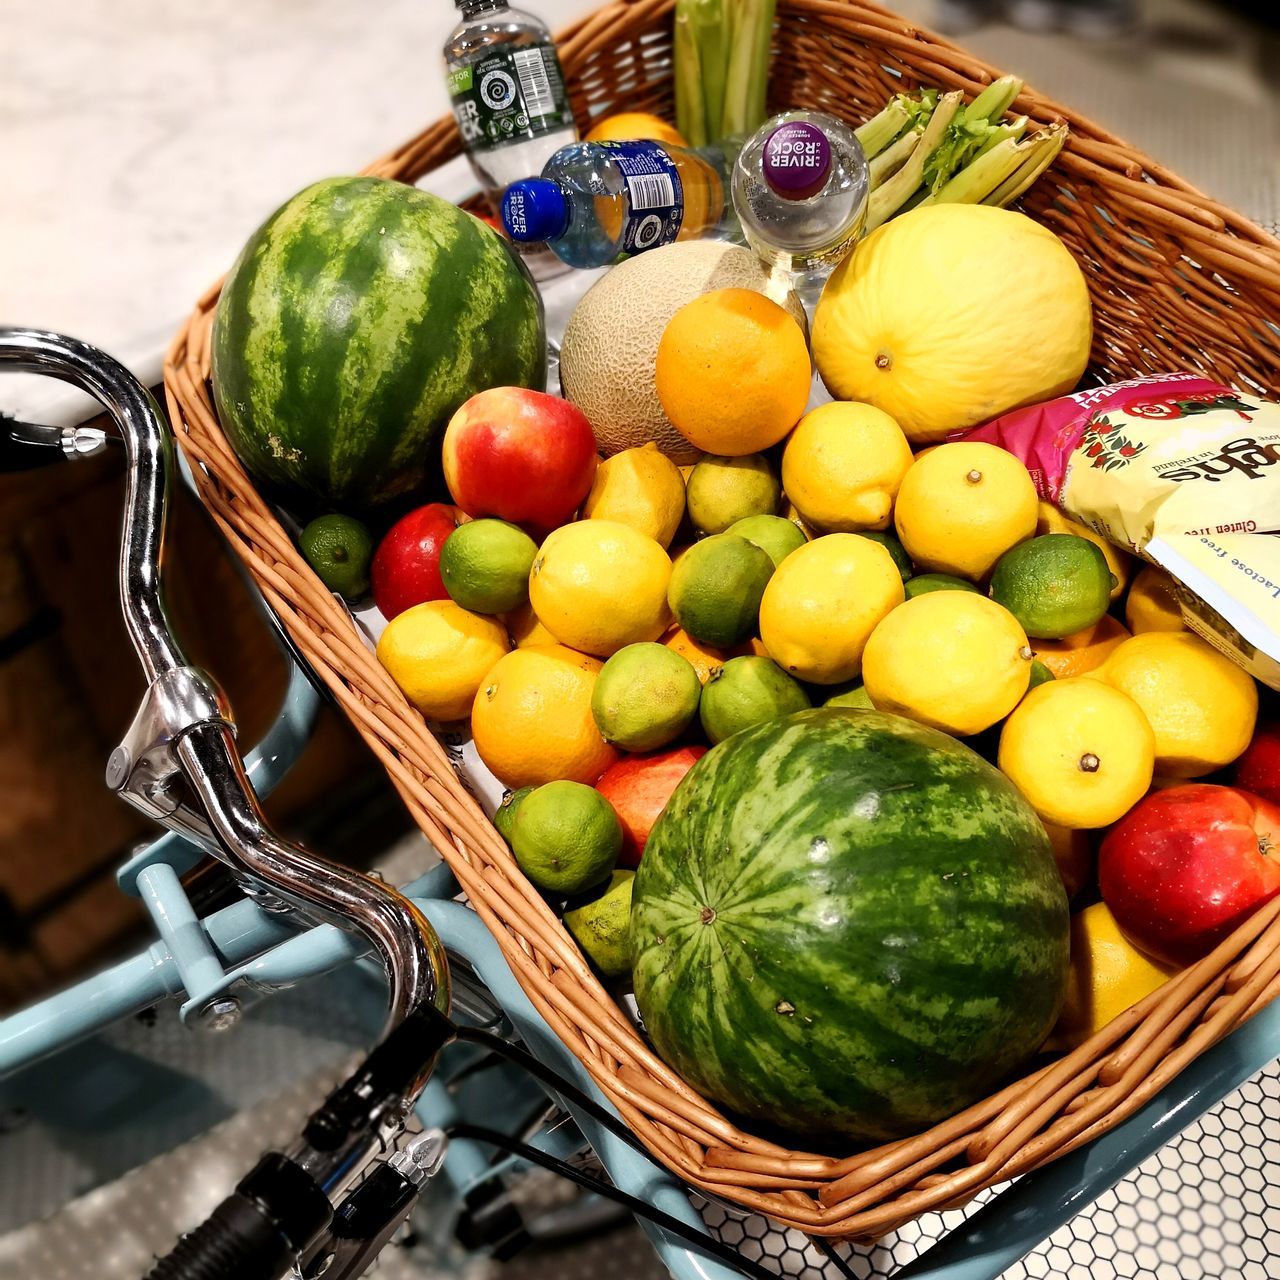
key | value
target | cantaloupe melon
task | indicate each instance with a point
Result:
(611, 342)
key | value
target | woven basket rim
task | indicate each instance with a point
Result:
(1047, 1113)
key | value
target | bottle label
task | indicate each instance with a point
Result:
(509, 95)
(655, 196)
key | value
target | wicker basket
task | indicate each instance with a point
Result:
(1178, 282)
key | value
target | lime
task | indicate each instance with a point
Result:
(602, 925)
(715, 589)
(923, 583)
(773, 534)
(857, 697)
(484, 565)
(339, 549)
(747, 691)
(566, 837)
(1040, 674)
(722, 491)
(505, 818)
(1055, 585)
(645, 696)
(895, 549)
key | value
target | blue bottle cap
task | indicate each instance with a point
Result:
(535, 209)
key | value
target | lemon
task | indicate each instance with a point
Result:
(484, 565)
(895, 548)
(1050, 520)
(1152, 604)
(963, 506)
(602, 925)
(646, 695)
(1080, 751)
(843, 465)
(952, 314)
(566, 837)
(772, 534)
(439, 653)
(1202, 707)
(525, 629)
(722, 491)
(822, 604)
(951, 659)
(531, 720)
(716, 589)
(598, 585)
(1108, 975)
(642, 488)
(1055, 584)
(748, 691)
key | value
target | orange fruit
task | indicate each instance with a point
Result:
(1073, 852)
(1152, 604)
(1087, 649)
(733, 372)
(635, 126)
(702, 657)
(532, 722)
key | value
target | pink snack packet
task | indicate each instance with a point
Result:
(1183, 472)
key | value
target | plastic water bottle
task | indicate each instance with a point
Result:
(598, 201)
(508, 94)
(800, 188)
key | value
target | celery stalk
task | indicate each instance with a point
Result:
(994, 100)
(889, 161)
(1047, 145)
(750, 30)
(982, 176)
(885, 201)
(881, 130)
(691, 112)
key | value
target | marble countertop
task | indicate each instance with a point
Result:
(141, 143)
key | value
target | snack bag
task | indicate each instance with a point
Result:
(1185, 473)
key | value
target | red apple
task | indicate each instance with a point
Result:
(1185, 866)
(1258, 770)
(520, 455)
(406, 566)
(639, 787)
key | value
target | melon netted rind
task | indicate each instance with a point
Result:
(611, 342)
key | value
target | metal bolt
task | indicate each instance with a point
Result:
(219, 1015)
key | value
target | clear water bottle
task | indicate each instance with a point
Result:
(599, 201)
(508, 94)
(800, 188)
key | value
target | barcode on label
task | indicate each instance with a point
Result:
(651, 190)
(535, 88)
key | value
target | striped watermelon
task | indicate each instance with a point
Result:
(847, 923)
(359, 316)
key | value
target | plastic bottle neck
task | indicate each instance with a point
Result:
(474, 8)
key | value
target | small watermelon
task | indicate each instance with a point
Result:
(358, 317)
(847, 923)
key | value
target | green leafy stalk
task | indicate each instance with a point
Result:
(889, 161)
(994, 100)
(1014, 129)
(700, 73)
(881, 130)
(1048, 142)
(885, 201)
(984, 175)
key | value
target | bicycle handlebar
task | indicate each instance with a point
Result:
(184, 734)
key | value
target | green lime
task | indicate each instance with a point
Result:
(645, 696)
(1040, 674)
(715, 589)
(894, 548)
(339, 549)
(923, 583)
(602, 925)
(484, 565)
(747, 691)
(722, 491)
(1055, 585)
(505, 818)
(566, 837)
(773, 534)
(854, 697)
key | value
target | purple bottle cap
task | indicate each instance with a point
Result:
(796, 160)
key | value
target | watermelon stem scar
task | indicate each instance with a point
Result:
(707, 915)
